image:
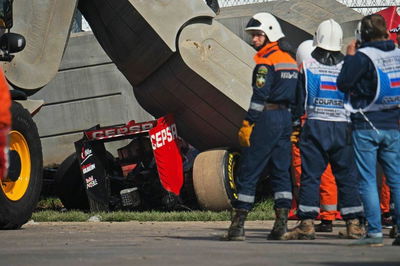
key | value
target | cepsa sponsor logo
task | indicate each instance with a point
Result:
(163, 136)
(90, 182)
(129, 129)
(88, 167)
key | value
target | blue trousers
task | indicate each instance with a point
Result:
(322, 142)
(384, 146)
(270, 144)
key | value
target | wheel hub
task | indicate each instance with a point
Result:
(14, 170)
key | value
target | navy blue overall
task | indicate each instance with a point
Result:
(274, 86)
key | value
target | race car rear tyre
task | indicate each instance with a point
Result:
(214, 179)
(20, 190)
(69, 185)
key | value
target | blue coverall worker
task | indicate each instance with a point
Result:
(370, 77)
(325, 136)
(328, 189)
(266, 130)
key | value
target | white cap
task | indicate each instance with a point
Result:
(304, 51)
(329, 36)
(268, 24)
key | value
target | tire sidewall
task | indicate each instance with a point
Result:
(13, 214)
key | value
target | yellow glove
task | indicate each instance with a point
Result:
(295, 137)
(244, 133)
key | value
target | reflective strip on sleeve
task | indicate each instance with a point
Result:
(285, 66)
(283, 195)
(304, 208)
(257, 107)
(349, 210)
(326, 207)
(246, 198)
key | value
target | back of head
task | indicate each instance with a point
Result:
(373, 27)
(266, 23)
(304, 51)
(329, 36)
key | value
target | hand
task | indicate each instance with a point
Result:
(245, 133)
(352, 48)
(295, 137)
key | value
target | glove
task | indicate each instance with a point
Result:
(245, 133)
(295, 137)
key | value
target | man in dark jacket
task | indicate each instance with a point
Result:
(370, 77)
(266, 129)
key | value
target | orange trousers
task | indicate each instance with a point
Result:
(328, 188)
(5, 123)
(385, 196)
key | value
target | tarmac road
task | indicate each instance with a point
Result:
(178, 243)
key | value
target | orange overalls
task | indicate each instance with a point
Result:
(5, 123)
(385, 196)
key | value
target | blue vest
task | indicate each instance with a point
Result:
(387, 65)
(323, 99)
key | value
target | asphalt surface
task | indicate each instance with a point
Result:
(178, 243)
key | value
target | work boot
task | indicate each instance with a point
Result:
(304, 231)
(324, 226)
(236, 229)
(280, 225)
(354, 229)
(393, 232)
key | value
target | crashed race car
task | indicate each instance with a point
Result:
(153, 171)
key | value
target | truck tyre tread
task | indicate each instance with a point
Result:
(13, 214)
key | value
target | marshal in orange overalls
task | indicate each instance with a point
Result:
(5, 123)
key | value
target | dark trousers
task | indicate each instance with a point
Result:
(322, 142)
(270, 144)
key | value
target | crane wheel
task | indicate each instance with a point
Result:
(20, 190)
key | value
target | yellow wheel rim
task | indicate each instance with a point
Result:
(16, 190)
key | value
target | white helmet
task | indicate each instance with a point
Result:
(329, 36)
(304, 51)
(268, 24)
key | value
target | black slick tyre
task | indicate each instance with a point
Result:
(69, 185)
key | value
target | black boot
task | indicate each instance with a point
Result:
(280, 225)
(324, 226)
(213, 4)
(236, 229)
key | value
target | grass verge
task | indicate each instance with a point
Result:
(261, 211)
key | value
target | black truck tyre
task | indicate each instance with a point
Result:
(214, 179)
(20, 190)
(69, 185)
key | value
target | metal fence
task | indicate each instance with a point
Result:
(365, 7)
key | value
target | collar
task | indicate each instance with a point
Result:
(267, 48)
